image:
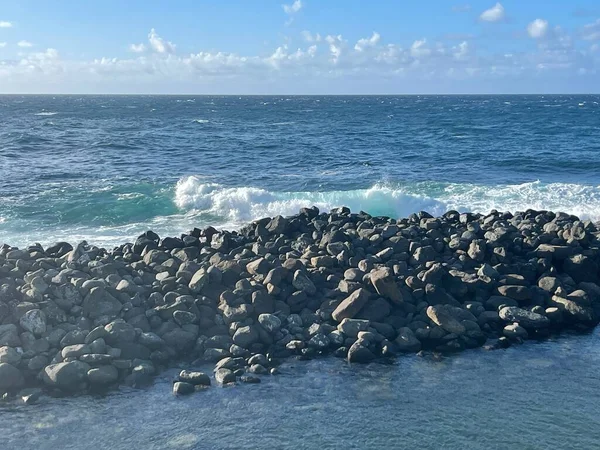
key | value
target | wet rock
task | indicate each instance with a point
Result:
(224, 376)
(194, 378)
(103, 376)
(445, 317)
(10, 377)
(183, 388)
(67, 376)
(360, 353)
(407, 341)
(523, 317)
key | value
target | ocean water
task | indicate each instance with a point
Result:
(106, 168)
(536, 396)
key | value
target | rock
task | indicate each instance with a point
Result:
(444, 316)
(573, 311)
(10, 356)
(182, 318)
(9, 335)
(198, 281)
(516, 292)
(194, 378)
(103, 376)
(259, 266)
(246, 336)
(384, 283)
(75, 351)
(407, 341)
(348, 308)
(351, 327)
(549, 284)
(10, 377)
(30, 396)
(224, 376)
(183, 388)
(581, 268)
(523, 317)
(67, 376)
(99, 303)
(118, 332)
(269, 322)
(249, 379)
(515, 331)
(34, 321)
(303, 283)
(359, 353)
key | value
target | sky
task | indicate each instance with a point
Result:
(299, 46)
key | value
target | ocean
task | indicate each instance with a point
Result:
(535, 396)
(106, 168)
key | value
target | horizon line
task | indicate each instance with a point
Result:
(293, 95)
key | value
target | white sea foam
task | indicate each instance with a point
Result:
(46, 113)
(237, 205)
(202, 121)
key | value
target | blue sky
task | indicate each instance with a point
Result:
(299, 46)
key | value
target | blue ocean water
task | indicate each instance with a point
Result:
(106, 168)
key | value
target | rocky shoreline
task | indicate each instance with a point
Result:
(83, 319)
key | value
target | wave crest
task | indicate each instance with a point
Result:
(237, 205)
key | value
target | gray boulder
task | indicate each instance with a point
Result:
(523, 317)
(67, 376)
(350, 307)
(103, 376)
(444, 317)
(10, 377)
(34, 321)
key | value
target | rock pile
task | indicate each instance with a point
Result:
(361, 287)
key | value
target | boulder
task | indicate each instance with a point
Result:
(34, 321)
(303, 283)
(269, 322)
(444, 317)
(360, 353)
(10, 377)
(385, 284)
(67, 376)
(523, 317)
(224, 376)
(407, 341)
(194, 378)
(100, 303)
(183, 388)
(349, 307)
(246, 336)
(103, 376)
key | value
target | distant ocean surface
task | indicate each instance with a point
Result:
(106, 168)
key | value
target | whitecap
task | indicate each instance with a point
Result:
(46, 113)
(201, 121)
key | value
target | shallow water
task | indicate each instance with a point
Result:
(107, 168)
(536, 396)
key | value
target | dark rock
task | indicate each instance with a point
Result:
(523, 317)
(348, 308)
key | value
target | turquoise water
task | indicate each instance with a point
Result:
(106, 168)
(536, 396)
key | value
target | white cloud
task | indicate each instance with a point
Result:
(538, 28)
(461, 51)
(419, 49)
(308, 37)
(5, 24)
(137, 48)
(293, 8)
(330, 65)
(2, 44)
(494, 14)
(591, 32)
(365, 43)
(335, 46)
(24, 44)
(158, 44)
